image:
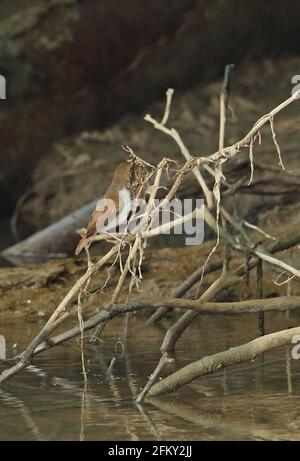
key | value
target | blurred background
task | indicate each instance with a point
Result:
(81, 74)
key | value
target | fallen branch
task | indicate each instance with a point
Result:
(201, 307)
(237, 307)
(56, 240)
(276, 262)
(216, 362)
(176, 330)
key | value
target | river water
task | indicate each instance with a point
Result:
(253, 401)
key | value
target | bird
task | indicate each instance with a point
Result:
(114, 208)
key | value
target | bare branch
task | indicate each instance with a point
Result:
(216, 362)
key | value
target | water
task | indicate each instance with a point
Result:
(251, 401)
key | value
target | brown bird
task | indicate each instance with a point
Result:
(114, 208)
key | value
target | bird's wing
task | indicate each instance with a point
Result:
(105, 210)
(98, 219)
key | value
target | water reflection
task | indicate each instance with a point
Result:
(24, 411)
(50, 400)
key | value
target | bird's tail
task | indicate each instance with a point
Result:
(82, 243)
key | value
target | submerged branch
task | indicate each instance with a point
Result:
(216, 362)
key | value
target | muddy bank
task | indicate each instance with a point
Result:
(35, 291)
